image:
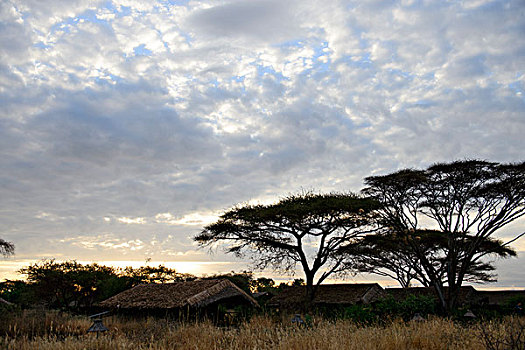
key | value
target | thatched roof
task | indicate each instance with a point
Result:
(466, 294)
(329, 294)
(198, 293)
(500, 297)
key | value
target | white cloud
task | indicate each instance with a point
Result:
(259, 20)
(192, 219)
(134, 221)
(157, 116)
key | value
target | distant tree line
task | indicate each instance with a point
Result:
(70, 285)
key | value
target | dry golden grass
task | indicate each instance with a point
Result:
(60, 331)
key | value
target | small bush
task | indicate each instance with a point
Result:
(405, 309)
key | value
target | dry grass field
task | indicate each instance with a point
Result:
(30, 330)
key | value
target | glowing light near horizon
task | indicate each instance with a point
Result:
(136, 221)
(9, 270)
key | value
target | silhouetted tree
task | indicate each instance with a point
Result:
(154, 274)
(243, 280)
(70, 284)
(6, 248)
(305, 229)
(386, 254)
(263, 284)
(468, 201)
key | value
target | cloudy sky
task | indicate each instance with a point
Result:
(127, 125)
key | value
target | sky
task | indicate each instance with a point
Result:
(126, 125)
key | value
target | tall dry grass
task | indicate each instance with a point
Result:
(51, 330)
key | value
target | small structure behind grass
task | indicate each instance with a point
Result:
(327, 295)
(202, 297)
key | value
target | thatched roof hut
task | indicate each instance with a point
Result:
(193, 294)
(329, 294)
(467, 294)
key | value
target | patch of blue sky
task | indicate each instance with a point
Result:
(41, 45)
(110, 6)
(74, 78)
(25, 15)
(321, 65)
(141, 50)
(263, 70)
(363, 41)
(238, 78)
(319, 71)
(346, 121)
(290, 43)
(429, 76)
(177, 99)
(166, 46)
(516, 86)
(217, 92)
(91, 16)
(217, 89)
(88, 16)
(123, 11)
(518, 89)
(363, 62)
(104, 81)
(406, 75)
(65, 26)
(175, 2)
(422, 104)
(41, 64)
(119, 11)
(187, 37)
(114, 77)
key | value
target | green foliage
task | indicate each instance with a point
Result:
(153, 274)
(424, 305)
(72, 285)
(360, 314)
(243, 280)
(382, 310)
(298, 282)
(17, 292)
(516, 304)
(263, 284)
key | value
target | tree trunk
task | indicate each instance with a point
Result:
(310, 289)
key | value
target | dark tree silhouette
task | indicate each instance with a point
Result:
(305, 230)
(468, 201)
(386, 254)
(70, 284)
(6, 248)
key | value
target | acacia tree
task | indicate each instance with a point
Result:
(6, 248)
(387, 254)
(305, 230)
(468, 201)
